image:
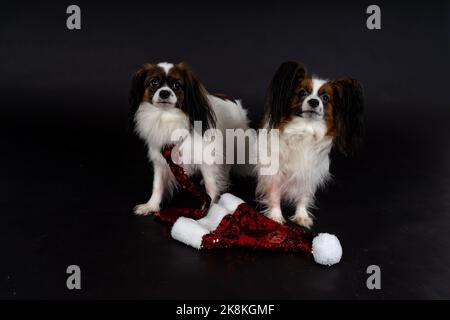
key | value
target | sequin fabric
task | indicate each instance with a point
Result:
(249, 228)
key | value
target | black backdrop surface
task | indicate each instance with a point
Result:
(71, 170)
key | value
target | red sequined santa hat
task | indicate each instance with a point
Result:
(233, 223)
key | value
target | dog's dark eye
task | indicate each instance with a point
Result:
(154, 83)
(176, 85)
(325, 97)
(303, 93)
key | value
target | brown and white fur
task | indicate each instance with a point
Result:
(165, 97)
(312, 116)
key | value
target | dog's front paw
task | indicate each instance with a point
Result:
(145, 209)
(303, 220)
(276, 215)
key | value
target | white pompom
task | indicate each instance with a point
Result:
(327, 249)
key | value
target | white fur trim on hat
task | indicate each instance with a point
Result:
(214, 216)
(189, 232)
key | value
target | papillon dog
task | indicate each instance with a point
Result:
(167, 97)
(313, 116)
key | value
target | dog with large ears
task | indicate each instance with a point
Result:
(166, 98)
(312, 116)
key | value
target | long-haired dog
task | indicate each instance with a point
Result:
(312, 116)
(164, 98)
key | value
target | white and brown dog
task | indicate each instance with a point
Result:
(167, 97)
(312, 115)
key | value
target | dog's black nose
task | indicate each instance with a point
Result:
(164, 94)
(313, 103)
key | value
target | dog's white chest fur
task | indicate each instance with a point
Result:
(155, 126)
(304, 160)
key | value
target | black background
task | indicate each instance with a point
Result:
(72, 170)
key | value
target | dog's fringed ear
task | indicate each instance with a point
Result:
(137, 90)
(196, 103)
(281, 90)
(348, 115)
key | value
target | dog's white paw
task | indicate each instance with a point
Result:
(276, 215)
(303, 220)
(145, 209)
